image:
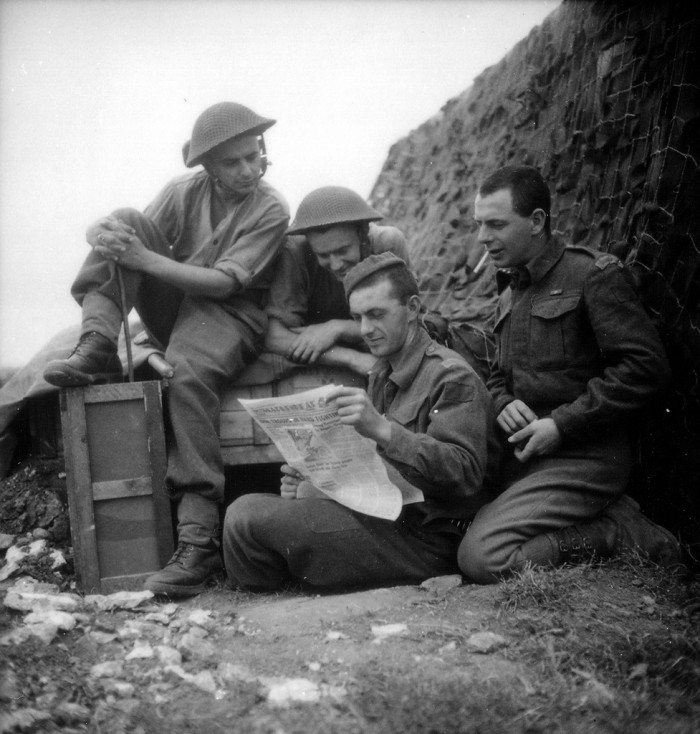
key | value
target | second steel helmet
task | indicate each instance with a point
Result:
(219, 123)
(331, 205)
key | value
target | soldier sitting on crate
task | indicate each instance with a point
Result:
(309, 317)
(197, 267)
(433, 423)
(577, 360)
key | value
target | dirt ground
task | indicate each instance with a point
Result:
(611, 648)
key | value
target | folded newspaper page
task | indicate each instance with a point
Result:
(335, 458)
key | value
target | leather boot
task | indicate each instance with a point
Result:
(187, 572)
(637, 533)
(94, 360)
(197, 556)
(619, 528)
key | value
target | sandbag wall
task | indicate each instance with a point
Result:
(604, 98)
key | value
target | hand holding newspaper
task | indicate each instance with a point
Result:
(336, 459)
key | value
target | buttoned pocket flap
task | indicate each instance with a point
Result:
(554, 308)
(407, 412)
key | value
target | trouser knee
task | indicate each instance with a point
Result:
(475, 561)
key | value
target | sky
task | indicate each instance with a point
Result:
(98, 96)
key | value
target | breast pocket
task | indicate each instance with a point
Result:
(552, 327)
(408, 413)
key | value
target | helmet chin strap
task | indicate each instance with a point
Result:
(264, 163)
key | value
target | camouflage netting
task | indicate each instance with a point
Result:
(605, 99)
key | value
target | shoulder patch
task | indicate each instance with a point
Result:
(607, 259)
(457, 392)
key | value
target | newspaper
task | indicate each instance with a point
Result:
(335, 458)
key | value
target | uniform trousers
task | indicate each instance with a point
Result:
(270, 541)
(543, 495)
(207, 345)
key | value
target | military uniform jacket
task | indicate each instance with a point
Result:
(443, 437)
(574, 342)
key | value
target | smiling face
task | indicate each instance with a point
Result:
(236, 164)
(512, 240)
(337, 249)
(385, 322)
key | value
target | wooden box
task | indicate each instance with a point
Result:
(120, 514)
(242, 440)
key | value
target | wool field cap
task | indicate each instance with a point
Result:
(369, 266)
(219, 123)
(331, 205)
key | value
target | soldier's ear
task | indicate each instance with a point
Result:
(414, 306)
(538, 219)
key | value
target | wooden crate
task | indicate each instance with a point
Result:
(120, 514)
(242, 440)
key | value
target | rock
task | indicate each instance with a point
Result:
(201, 618)
(388, 630)
(231, 672)
(9, 689)
(286, 691)
(71, 713)
(168, 655)
(6, 541)
(140, 652)
(439, 585)
(120, 688)
(22, 720)
(108, 669)
(62, 620)
(485, 642)
(196, 647)
(119, 600)
(37, 601)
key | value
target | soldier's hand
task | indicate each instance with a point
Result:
(289, 482)
(514, 417)
(312, 341)
(539, 438)
(355, 409)
(109, 231)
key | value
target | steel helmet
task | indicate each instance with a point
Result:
(219, 123)
(331, 205)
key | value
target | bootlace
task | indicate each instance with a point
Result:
(81, 342)
(183, 550)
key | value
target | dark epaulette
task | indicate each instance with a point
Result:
(602, 259)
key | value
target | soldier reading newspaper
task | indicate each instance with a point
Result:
(380, 484)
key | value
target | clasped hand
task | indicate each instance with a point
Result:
(530, 435)
(115, 240)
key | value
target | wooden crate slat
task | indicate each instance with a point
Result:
(120, 488)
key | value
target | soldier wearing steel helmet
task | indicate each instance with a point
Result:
(334, 229)
(197, 267)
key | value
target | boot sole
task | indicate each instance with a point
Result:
(64, 376)
(173, 590)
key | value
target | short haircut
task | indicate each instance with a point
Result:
(403, 283)
(527, 189)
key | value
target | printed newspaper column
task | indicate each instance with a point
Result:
(337, 460)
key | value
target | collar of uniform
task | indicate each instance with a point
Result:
(539, 266)
(405, 371)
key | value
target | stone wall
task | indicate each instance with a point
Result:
(604, 98)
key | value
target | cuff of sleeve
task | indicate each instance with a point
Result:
(290, 320)
(501, 401)
(570, 425)
(400, 445)
(239, 284)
